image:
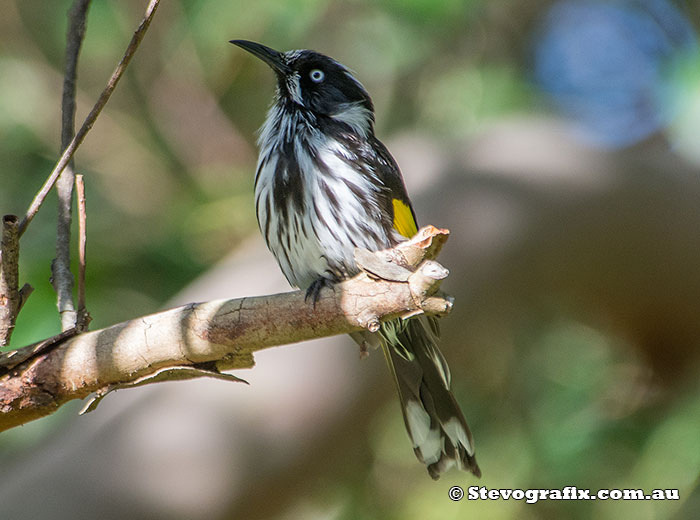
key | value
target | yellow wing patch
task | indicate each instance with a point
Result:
(403, 219)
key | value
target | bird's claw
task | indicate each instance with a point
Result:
(313, 293)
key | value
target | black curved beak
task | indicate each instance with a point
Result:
(273, 58)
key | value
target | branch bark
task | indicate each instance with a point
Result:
(222, 334)
(9, 277)
(11, 299)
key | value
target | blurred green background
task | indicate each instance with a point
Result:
(557, 140)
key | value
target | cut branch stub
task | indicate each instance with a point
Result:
(410, 262)
(11, 299)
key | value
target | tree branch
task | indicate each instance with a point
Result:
(92, 116)
(61, 276)
(222, 334)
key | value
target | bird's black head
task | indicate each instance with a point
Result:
(308, 80)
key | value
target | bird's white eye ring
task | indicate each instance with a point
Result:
(317, 75)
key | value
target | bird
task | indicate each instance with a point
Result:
(325, 185)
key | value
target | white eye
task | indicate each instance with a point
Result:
(317, 76)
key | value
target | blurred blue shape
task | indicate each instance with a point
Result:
(610, 65)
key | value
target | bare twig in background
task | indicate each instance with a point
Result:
(217, 335)
(92, 116)
(77, 17)
(61, 276)
(83, 315)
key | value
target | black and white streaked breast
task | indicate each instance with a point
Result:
(316, 200)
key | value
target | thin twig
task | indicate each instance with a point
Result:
(92, 116)
(77, 17)
(62, 277)
(83, 315)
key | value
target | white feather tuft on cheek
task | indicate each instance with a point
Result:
(356, 116)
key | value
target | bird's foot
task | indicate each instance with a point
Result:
(313, 293)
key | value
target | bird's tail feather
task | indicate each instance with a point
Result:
(434, 421)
